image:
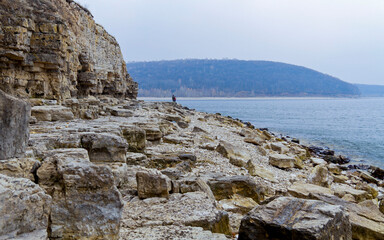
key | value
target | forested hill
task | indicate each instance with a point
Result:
(233, 78)
(371, 90)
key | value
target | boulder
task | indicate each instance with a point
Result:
(104, 147)
(238, 204)
(152, 183)
(255, 170)
(236, 155)
(343, 189)
(334, 168)
(318, 161)
(279, 147)
(119, 112)
(173, 139)
(304, 190)
(86, 203)
(20, 168)
(135, 158)
(24, 209)
(153, 133)
(293, 218)
(284, 161)
(226, 187)
(14, 126)
(189, 209)
(52, 113)
(320, 176)
(135, 137)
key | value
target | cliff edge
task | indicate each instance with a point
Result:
(53, 49)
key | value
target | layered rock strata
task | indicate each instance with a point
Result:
(53, 49)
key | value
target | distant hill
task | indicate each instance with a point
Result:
(371, 90)
(233, 78)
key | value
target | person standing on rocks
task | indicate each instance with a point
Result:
(173, 98)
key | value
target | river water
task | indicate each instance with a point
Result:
(350, 126)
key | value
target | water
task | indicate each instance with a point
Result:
(352, 127)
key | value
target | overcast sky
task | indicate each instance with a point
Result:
(343, 38)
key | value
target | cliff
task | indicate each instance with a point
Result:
(53, 49)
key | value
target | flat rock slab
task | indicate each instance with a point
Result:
(14, 126)
(170, 232)
(294, 218)
(52, 113)
(189, 209)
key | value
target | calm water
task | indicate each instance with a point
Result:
(353, 127)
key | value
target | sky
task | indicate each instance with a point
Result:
(342, 38)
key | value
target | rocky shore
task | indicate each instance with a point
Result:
(158, 170)
(81, 158)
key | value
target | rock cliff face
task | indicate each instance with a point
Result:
(54, 49)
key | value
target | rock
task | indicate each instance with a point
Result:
(366, 219)
(381, 206)
(170, 232)
(104, 147)
(284, 161)
(135, 137)
(152, 183)
(333, 168)
(52, 113)
(279, 147)
(304, 190)
(256, 140)
(208, 146)
(14, 126)
(377, 172)
(55, 50)
(336, 159)
(118, 112)
(368, 178)
(318, 161)
(255, 170)
(175, 139)
(226, 187)
(320, 176)
(24, 209)
(198, 130)
(153, 133)
(293, 218)
(182, 124)
(135, 158)
(238, 204)
(189, 209)
(340, 178)
(342, 189)
(19, 168)
(237, 156)
(86, 203)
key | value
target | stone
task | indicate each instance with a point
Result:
(56, 51)
(152, 183)
(284, 161)
(19, 168)
(366, 219)
(190, 209)
(24, 209)
(226, 187)
(175, 139)
(86, 203)
(279, 147)
(343, 189)
(318, 161)
(153, 133)
(368, 178)
(236, 155)
(320, 176)
(334, 168)
(255, 170)
(198, 130)
(118, 112)
(135, 137)
(173, 232)
(340, 178)
(256, 140)
(135, 158)
(14, 126)
(304, 190)
(52, 113)
(293, 218)
(183, 124)
(104, 147)
(238, 204)
(381, 206)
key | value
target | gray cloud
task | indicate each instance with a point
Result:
(343, 38)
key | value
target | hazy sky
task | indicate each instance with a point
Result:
(343, 38)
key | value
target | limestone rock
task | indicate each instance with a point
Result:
(135, 158)
(236, 155)
(255, 170)
(226, 187)
(279, 147)
(152, 183)
(135, 137)
(293, 218)
(238, 204)
(14, 125)
(52, 113)
(104, 147)
(24, 209)
(189, 209)
(284, 161)
(343, 189)
(320, 176)
(86, 203)
(318, 161)
(153, 133)
(303, 190)
(20, 168)
(53, 49)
